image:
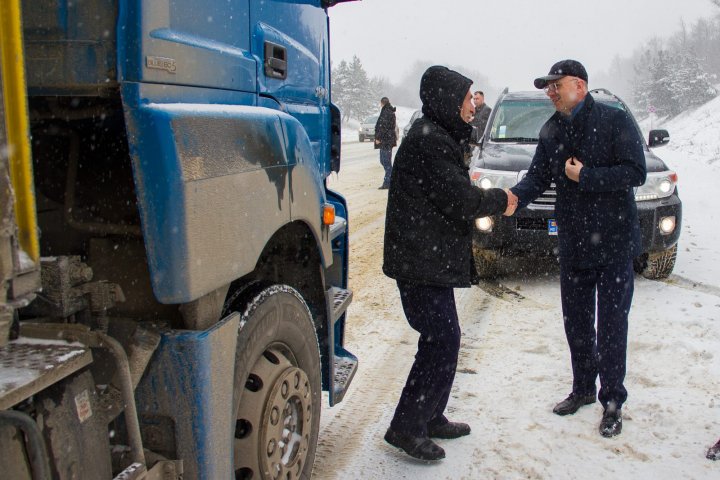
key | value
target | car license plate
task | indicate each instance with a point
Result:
(552, 226)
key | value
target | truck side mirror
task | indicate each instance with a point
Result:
(335, 131)
(658, 137)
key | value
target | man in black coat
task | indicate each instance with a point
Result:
(386, 138)
(431, 210)
(594, 154)
(482, 114)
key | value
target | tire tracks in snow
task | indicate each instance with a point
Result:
(692, 285)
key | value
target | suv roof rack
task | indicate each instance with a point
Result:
(603, 90)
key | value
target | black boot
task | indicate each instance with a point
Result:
(418, 447)
(449, 430)
(572, 403)
(611, 423)
(713, 452)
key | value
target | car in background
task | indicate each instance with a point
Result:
(416, 114)
(503, 158)
(367, 129)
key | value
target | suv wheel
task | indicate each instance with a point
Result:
(487, 262)
(656, 265)
(361, 139)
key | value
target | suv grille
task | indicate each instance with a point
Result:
(547, 198)
(531, 223)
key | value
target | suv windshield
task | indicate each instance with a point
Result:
(372, 119)
(521, 120)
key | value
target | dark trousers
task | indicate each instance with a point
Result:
(386, 162)
(432, 312)
(607, 290)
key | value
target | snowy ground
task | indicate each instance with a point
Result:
(514, 363)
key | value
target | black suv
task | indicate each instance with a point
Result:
(502, 159)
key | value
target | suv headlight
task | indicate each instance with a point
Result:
(657, 185)
(485, 179)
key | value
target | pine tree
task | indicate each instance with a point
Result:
(340, 83)
(353, 92)
(653, 87)
(358, 102)
(690, 84)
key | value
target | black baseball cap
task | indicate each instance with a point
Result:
(563, 68)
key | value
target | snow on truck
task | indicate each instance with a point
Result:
(173, 268)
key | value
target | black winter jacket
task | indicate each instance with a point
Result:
(597, 217)
(385, 128)
(432, 204)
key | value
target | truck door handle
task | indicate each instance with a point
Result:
(275, 61)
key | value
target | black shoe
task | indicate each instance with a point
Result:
(449, 430)
(383, 187)
(572, 403)
(418, 447)
(611, 423)
(714, 452)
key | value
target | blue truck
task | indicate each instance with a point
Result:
(173, 267)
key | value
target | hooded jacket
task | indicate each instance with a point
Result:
(596, 217)
(385, 128)
(432, 204)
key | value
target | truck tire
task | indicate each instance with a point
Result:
(277, 387)
(361, 139)
(657, 265)
(487, 262)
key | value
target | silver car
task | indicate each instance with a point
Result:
(416, 114)
(367, 128)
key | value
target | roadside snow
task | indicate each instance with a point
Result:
(694, 153)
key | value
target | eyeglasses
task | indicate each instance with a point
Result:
(555, 86)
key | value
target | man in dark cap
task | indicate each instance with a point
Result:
(431, 210)
(594, 155)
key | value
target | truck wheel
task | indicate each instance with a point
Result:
(487, 262)
(361, 139)
(277, 387)
(657, 265)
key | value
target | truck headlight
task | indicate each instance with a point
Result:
(486, 179)
(657, 185)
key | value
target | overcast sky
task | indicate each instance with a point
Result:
(510, 41)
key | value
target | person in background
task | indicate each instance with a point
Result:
(482, 113)
(431, 209)
(594, 155)
(713, 452)
(386, 138)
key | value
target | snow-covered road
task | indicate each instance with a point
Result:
(514, 365)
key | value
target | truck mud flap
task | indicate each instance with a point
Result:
(185, 399)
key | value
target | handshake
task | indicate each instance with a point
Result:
(512, 203)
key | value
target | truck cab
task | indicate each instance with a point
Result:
(189, 261)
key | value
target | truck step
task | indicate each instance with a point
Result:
(345, 367)
(31, 365)
(340, 299)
